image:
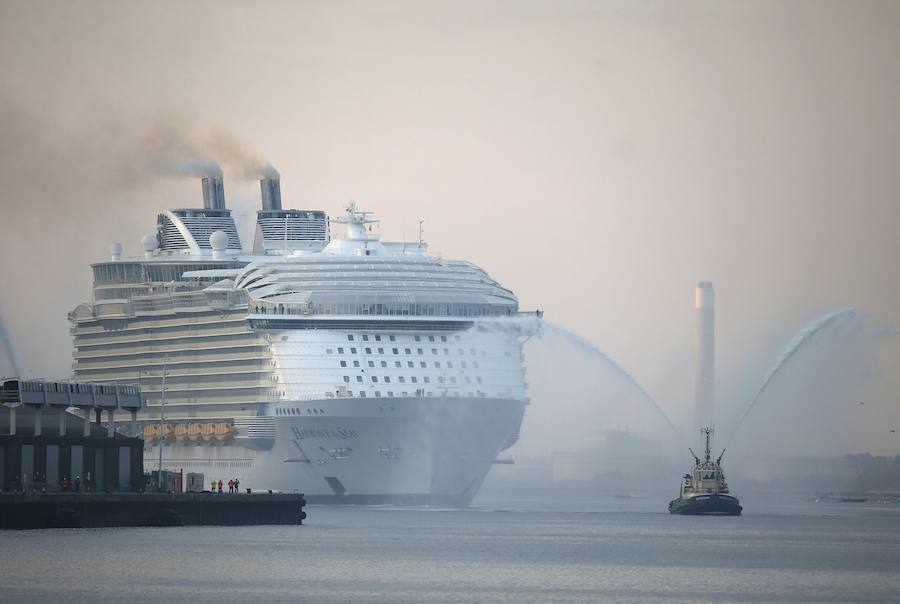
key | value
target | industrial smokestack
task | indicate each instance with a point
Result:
(270, 188)
(705, 377)
(213, 193)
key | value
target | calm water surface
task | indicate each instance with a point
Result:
(505, 549)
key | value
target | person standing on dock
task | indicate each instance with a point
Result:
(237, 484)
(231, 486)
(220, 485)
(212, 486)
(77, 483)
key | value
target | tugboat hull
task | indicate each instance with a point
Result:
(706, 504)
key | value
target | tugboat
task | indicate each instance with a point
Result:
(704, 490)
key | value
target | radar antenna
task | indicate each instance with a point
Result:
(707, 431)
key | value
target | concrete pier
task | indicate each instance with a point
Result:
(90, 510)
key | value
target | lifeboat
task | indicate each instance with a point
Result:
(224, 431)
(207, 431)
(194, 431)
(181, 431)
(151, 432)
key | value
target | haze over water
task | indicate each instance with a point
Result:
(532, 547)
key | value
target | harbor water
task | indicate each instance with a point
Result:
(521, 547)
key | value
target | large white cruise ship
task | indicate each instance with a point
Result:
(347, 368)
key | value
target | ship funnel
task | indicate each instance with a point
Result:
(270, 188)
(705, 376)
(213, 193)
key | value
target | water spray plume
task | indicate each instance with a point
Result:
(8, 348)
(534, 325)
(802, 340)
(603, 356)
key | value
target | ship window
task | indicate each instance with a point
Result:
(397, 363)
(420, 351)
(437, 364)
(446, 351)
(414, 379)
(402, 379)
(441, 380)
(378, 393)
(343, 363)
(377, 338)
(359, 378)
(390, 393)
(365, 338)
(368, 351)
(410, 364)
(329, 350)
(362, 393)
(347, 379)
(384, 363)
(395, 350)
(340, 350)
(422, 364)
(381, 351)
(392, 338)
(443, 338)
(418, 338)
(468, 380)
(453, 379)
(407, 351)
(374, 379)
(349, 337)
(387, 379)
(371, 363)
(356, 363)
(353, 351)
(431, 338)
(434, 351)
(426, 379)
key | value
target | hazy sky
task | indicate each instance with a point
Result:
(598, 158)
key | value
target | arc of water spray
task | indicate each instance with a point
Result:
(8, 347)
(808, 333)
(586, 345)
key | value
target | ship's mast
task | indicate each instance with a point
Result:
(707, 431)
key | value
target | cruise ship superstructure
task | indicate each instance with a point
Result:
(346, 368)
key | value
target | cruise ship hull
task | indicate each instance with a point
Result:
(407, 451)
